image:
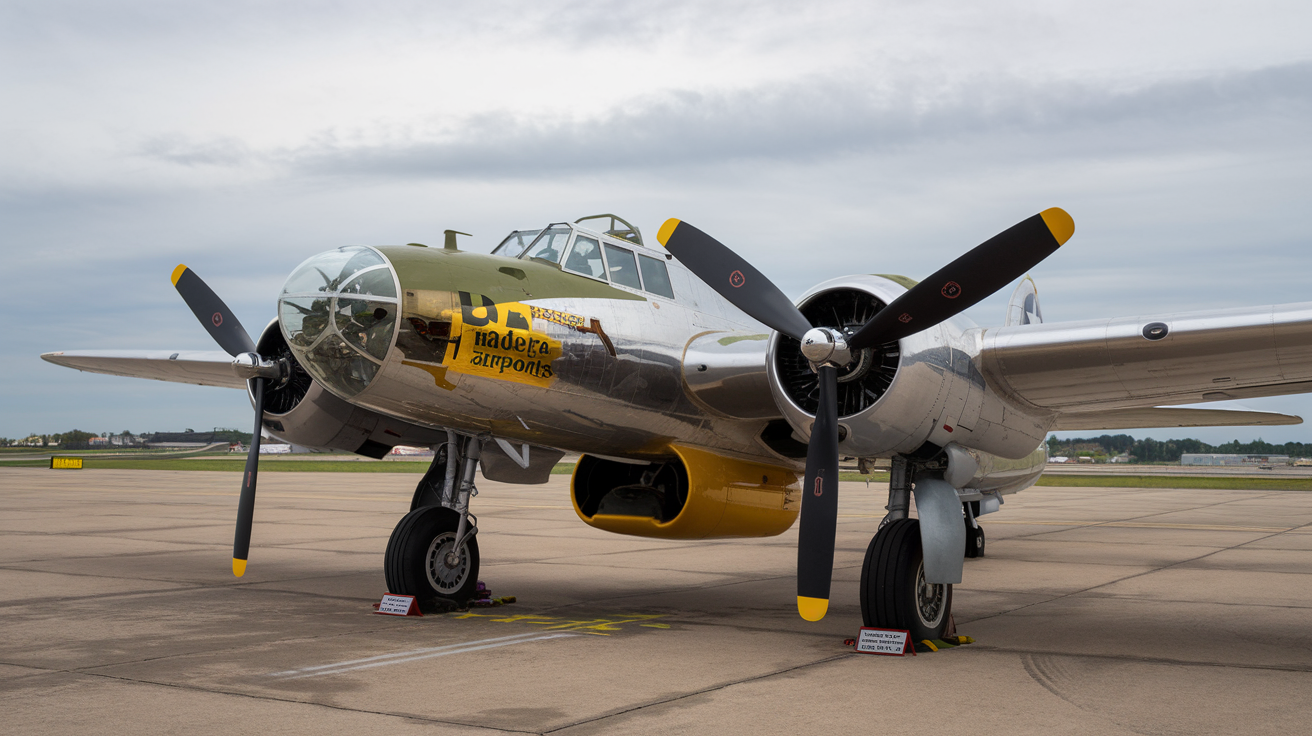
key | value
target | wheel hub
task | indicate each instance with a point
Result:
(929, 599)
(446, 567)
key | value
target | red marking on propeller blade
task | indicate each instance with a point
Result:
(819, 486)
(905, 318)
(737, 279)
(217, 319)
(951, 290)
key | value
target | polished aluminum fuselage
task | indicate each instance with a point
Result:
(695, 371)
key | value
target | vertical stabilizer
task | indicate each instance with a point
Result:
(1023, 309)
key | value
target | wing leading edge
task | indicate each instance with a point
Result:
(200, 367)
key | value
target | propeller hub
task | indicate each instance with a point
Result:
(823, 346)
(251, 365)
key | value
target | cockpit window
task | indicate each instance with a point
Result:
(549, 245)
(515, 243)
(656, 277)
(622, 266)
(585, 258)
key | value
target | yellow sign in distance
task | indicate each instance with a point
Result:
(65, 463)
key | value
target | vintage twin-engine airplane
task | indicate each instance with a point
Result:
(699, 393)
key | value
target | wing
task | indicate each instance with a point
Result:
(201, 367)
(1170, 417)
(1144, 362)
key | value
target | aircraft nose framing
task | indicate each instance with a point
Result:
(338, 313)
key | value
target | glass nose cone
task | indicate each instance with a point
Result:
(338, 313)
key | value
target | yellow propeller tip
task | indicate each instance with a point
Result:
(1059, 224)
(177, 273)
(812, 609)
(238, 567)
(667, 229)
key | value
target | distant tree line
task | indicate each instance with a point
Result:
(78, 440)
(1149, 450)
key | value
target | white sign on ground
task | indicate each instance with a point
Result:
(895, 642)
(398, 605)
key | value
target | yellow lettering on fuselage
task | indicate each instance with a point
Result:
(498, 341)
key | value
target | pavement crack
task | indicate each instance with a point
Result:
(701, 691)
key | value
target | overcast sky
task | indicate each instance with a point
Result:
(242, 137)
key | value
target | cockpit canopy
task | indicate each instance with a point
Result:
(612, 252)
(338, 314)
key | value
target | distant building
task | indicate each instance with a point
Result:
(1059, 459)
(183, 439)
(98, 441)
(1220, 459)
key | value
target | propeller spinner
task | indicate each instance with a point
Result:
(950, 290)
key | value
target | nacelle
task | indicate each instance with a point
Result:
(894, 398)
(693, 495)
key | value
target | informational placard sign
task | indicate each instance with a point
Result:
(399, 605)
(65, 463)
(892, 642)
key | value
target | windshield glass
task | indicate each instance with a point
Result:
(656, 277)
(515, 243)
(549, 244)
(585, 258)
(623, 267)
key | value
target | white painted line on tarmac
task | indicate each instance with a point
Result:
(416, 654)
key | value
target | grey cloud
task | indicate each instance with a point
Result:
(176, 149)
(825, 119)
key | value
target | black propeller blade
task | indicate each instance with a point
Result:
(212, 312)
(968, 280)
(231, 336)
(815, 547)
(952, 289)
(735, 278)
(749, 290)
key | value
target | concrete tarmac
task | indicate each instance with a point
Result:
(1097, 611)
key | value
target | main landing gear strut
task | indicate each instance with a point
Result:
(895, 591)
(433, 551)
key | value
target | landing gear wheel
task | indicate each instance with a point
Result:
(974, 540)
(420, 560)
(894, 593)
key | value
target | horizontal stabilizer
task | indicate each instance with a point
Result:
(201, 367)
(1171, 417)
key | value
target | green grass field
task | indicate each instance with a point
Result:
(1204, 482)
(278, 464)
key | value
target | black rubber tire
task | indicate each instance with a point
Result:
(974, 541)
(405, 562)
(889, 579)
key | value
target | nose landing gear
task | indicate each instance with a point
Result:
(433, 551)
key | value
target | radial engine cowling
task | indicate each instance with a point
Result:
(895, 397)
(694, 495)
(302, 412)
